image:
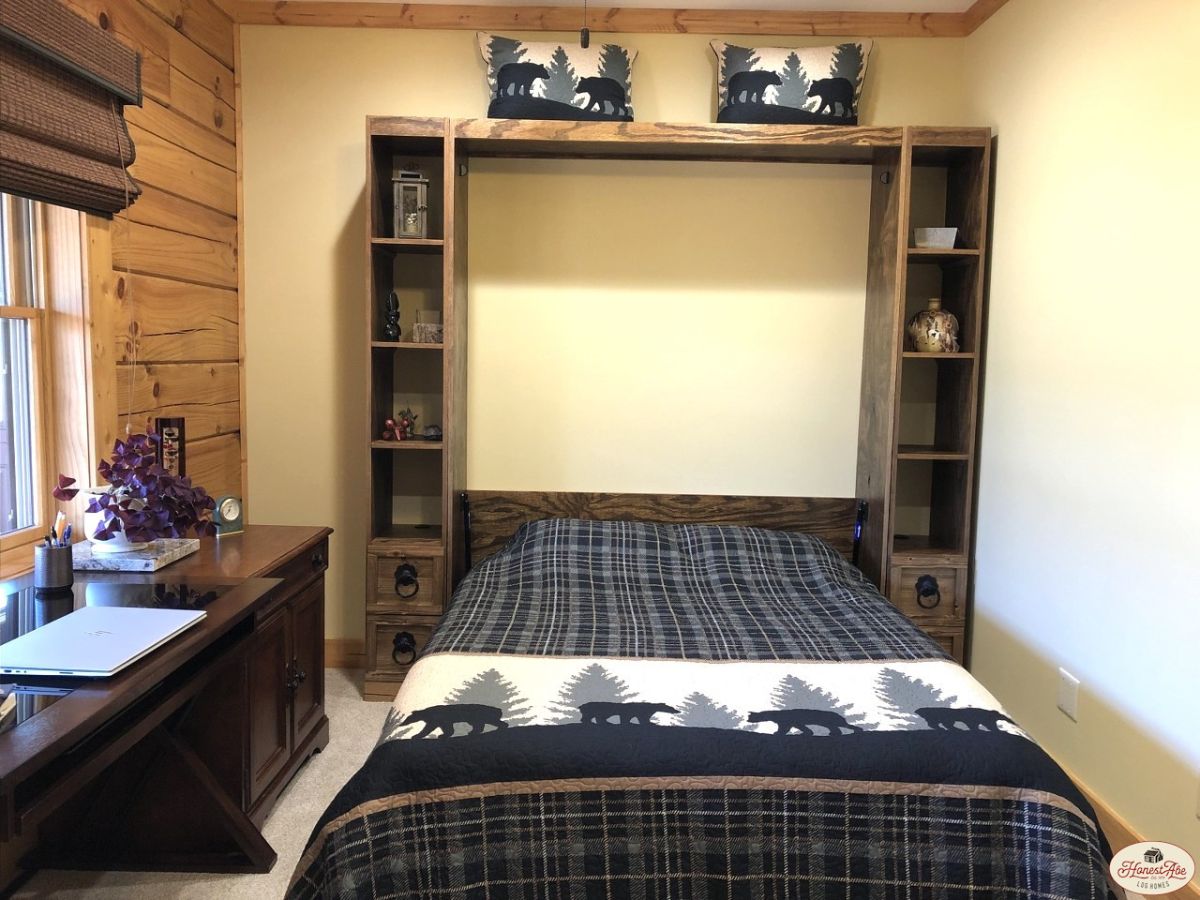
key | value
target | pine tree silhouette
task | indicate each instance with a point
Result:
(700, 711)
(847, 63)
(899, 694)
(503, 51)
(734, 60)
(589, 684)
(492, 689)
(795, 693)
(391, 727)
(794, 90)
(560, 86)
(614, 64)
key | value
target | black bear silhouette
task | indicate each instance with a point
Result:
(803, 720)
(599, 712)
(600, 89)
(474, 715)
(752, 83)
(518, 78)
(833, 92)
(948, 719)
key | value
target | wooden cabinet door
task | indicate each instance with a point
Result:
(308, 658)
(270, 700)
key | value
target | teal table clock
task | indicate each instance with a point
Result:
(228, 516)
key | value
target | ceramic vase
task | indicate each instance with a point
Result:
(118, 543)
(933, 329)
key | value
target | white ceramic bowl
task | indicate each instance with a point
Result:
(935, 238)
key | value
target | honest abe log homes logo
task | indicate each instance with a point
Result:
(1152, 867)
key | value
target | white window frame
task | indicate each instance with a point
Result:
(16, 546)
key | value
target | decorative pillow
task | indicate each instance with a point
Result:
(557, 81)
(801, 86)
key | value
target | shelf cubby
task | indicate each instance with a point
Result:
(406, 493)
(417, 280)
(937, 403)
(416, 152)
(932, 506)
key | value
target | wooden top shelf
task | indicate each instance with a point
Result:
(925, 452)
(410, 444)
(405, 345)
(412, 245)
(941, 254)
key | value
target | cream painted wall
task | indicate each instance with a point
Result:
(686, 354)
(1089, 487)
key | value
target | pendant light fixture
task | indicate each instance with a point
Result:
(585, 36)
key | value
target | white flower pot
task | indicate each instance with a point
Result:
(118, 543)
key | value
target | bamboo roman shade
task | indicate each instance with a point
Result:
(63, 86)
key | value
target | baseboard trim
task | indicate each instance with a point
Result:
(1120, 833)
(345, 653)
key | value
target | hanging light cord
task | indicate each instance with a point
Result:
(585, 36)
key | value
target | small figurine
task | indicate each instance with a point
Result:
(389, 431)
(406, 421)
(391, 317)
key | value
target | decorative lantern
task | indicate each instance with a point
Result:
(410, 193)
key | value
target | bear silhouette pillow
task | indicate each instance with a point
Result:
(790, 86)
(529, 80)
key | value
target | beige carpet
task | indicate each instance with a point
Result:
(354, 726)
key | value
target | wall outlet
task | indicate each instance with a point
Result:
(1068, 694)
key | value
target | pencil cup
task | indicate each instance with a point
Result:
(52, 567)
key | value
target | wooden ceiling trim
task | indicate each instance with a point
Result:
(614, 20)
(979, 12)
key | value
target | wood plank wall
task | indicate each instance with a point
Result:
(172, 311)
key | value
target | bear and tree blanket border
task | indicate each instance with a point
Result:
(615, 709)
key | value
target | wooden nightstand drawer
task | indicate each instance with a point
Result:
(952, 640)
(405, 583)
(393, 645)
(929, 592)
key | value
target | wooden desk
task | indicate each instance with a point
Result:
(175, 763)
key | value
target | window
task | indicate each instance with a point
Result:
(24, 439)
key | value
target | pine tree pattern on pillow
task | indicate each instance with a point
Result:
(528, 80)
(790, 86)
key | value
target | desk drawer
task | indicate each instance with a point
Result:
(301, 568)
(404, 583)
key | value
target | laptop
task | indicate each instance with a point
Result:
(95, 641)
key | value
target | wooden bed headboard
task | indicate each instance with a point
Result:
(491, 518)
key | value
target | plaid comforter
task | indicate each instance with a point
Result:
(632, 710)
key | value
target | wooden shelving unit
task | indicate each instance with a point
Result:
(917, 432)
(919, 411)
(413, 546)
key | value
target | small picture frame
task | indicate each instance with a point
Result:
(171, 453)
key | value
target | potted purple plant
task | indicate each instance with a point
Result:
(142, 501)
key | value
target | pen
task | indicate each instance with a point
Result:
(66, 536)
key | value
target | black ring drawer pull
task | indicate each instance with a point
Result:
(929, 595)
(407, 583)
(404, 642)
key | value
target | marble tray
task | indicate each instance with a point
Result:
(160, 553)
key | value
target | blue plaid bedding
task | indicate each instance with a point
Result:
(570, 587)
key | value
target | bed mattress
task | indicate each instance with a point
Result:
(616, 709)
